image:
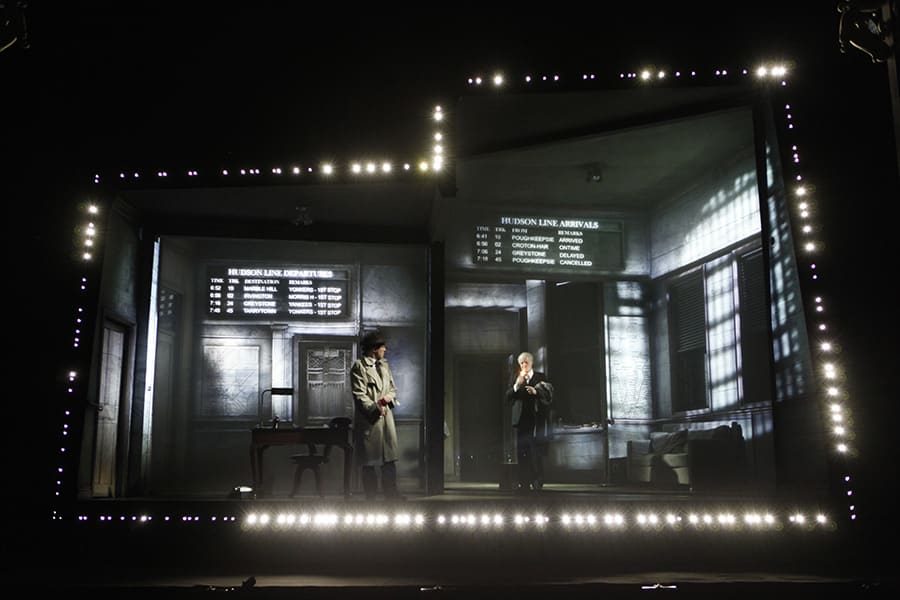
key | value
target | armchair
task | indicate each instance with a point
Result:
(698, 458)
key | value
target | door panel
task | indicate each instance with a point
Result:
(324, 379)
(480, 385)
(103, 483)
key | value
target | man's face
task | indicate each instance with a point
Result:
(378, 353)
(525, 364)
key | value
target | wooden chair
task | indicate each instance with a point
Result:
(311, 461)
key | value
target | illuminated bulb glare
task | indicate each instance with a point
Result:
(327, 169)
(498, 80)
(801, 191)
(370, 167)
(93, 209)
(438, 136)
(645, 75)
(386, 167)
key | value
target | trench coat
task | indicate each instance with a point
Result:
(375, 435)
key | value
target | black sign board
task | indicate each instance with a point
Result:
(277, 293)
(548, 243)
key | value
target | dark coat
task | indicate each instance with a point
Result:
(532, 412)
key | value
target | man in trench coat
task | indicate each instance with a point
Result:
(374, 399)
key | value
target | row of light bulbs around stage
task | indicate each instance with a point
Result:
(436, 163)
(329, 169)
(722, 521)
(830, 371)
(647, 74)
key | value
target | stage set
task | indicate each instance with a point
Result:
(647, 238)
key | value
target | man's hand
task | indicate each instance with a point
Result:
(520, 380)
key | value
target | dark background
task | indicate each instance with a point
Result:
(134, 86)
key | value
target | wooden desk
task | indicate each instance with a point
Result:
(262, 438)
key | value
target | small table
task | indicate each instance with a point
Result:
(261, 438)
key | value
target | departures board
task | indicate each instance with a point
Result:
(277, 293)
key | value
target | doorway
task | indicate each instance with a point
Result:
(104, 480)
(480, 384)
